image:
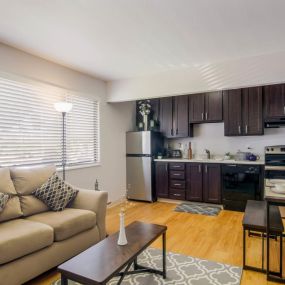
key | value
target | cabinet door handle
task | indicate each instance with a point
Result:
(177, 131)
(206, 168)
(206, 114)
(166, 167)
(199, 168)
(246, 129)
(176, 166)
(202, 116)
(172, 132)
(239, 129)
(177, 184)
(176, 174)
(176, 195)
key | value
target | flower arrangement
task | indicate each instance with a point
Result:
(144, 107)
(122, 239)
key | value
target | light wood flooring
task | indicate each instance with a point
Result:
(214, 238)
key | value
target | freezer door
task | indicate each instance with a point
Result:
(139, 142)
(139, 178)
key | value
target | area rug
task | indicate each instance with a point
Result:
(198, 208)
(181, 270)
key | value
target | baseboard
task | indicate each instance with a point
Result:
(165, 200)
(115, 203)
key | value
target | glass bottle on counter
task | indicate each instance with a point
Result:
(190, 154)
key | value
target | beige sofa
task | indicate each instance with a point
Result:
(34, 239)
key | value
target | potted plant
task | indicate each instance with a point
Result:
(145, 108)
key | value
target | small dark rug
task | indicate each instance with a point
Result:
(199, 208)
(181, 270)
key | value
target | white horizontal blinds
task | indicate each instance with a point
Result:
(82, 132)
(30, 129)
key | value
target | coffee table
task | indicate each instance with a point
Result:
(105, 260)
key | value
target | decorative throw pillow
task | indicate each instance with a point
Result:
(3, 201)
(55, 193)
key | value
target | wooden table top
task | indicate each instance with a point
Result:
(99, 263)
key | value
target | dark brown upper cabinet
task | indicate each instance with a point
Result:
(214, 106)
(196, 108)
(166, 117)
(206, 107)
(274, 101)
(252, 111)
(174, 122)
(243, 111)
(180, 116)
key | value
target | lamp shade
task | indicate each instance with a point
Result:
(63, 107)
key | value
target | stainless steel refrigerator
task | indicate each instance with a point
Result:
(141, 149)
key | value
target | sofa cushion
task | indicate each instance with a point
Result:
(3, 201)
(21, 237)
(66, 223)
(27, 180)
(56, 193)
(12, 208)
(6, 183)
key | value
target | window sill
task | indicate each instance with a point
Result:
(79, 166)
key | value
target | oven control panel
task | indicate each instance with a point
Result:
(279, 149)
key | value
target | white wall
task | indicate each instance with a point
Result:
(115, 119)
(244, 72)
(211, 136)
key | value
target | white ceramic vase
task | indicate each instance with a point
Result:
(145, 122)
(122, 240)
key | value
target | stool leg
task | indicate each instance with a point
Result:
(281, 250)
(262, 266)
(244, 247)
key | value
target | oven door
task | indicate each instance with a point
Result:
(277, 160)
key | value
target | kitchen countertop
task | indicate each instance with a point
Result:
(258, 162)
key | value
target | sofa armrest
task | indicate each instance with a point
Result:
(95, 201)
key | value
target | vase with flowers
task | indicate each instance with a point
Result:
(145, 109)
(125, 204)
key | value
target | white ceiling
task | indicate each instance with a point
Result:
(116, 39)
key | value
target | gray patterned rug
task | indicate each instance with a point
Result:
(199, 208)
(181, 270)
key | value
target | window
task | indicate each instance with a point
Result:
(31, 129)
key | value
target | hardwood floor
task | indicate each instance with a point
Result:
(214, 238)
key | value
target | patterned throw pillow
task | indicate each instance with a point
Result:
(55, 193)
(3, 201)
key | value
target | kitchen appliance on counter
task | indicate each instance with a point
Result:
(240, 183)
(141, 148)
(274, 164)
(175, 153)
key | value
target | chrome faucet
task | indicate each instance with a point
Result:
(208, 153)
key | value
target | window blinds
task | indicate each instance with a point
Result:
(31, 129)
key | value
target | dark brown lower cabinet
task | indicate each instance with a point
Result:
(194, 182)
(212, 183)
(161, 179)
(200, 182)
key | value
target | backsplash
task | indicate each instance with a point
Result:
(211, 136)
